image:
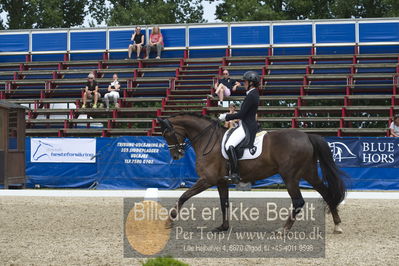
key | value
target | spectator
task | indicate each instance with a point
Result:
(224, 86)
(91, 91)
(138, 42)
(394, 127)
(155, 43)
(113, 93)
(231, 123)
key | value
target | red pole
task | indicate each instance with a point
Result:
(227, 52)
(302, 91)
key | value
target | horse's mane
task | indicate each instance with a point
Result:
(205, 117)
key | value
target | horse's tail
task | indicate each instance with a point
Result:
(332, 175)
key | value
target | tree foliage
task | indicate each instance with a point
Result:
(43, 13)
(22, 14)
(137, 12)
(248, 10)
(59, 13)
(256, 10)
(19, 13)
(69, 13)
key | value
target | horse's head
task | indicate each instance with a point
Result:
(175, 137)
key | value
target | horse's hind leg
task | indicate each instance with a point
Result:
(296, 197)
(318, 185)
(198, 187)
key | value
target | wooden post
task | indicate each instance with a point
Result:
(12, 158)
(3, 144)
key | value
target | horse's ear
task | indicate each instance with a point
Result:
(163, 123)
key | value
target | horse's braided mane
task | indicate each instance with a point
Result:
(205, 117)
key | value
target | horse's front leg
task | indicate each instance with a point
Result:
(198, 187)
(223, 190)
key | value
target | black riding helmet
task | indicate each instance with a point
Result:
(253, 77)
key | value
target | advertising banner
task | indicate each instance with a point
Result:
(365, 152)
(143, 162)
(63, 150)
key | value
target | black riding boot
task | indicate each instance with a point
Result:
(234, 177)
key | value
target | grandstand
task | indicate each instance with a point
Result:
(335, 77)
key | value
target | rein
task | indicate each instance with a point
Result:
(185, 145)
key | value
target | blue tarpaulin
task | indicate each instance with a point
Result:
(246, 35)
(284, 34)
(142, 162)
(379, 32)
(90, 40)
(203, 36)
(380, 36)
(331, 33)
(50, 41)
(14, 42)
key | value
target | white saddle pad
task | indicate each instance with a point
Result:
(248, 155)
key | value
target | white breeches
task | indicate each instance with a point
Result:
(236, 137)
(113, 94)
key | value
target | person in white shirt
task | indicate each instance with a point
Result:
(394, 127)
(113, 92)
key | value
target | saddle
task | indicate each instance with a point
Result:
(243, 150)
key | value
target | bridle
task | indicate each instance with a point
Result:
(180, 147)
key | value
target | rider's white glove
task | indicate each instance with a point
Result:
(222, 117)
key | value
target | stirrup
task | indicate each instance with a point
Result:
(233, 179)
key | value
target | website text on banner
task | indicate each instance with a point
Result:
(64, 150)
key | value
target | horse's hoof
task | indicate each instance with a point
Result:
(220, 229)
(338, 229)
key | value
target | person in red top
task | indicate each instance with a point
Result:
(155, 42)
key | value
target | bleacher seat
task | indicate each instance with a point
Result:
(310, 81)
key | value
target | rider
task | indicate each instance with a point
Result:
(247, 116)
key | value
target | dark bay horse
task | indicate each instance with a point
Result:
(289, 152)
